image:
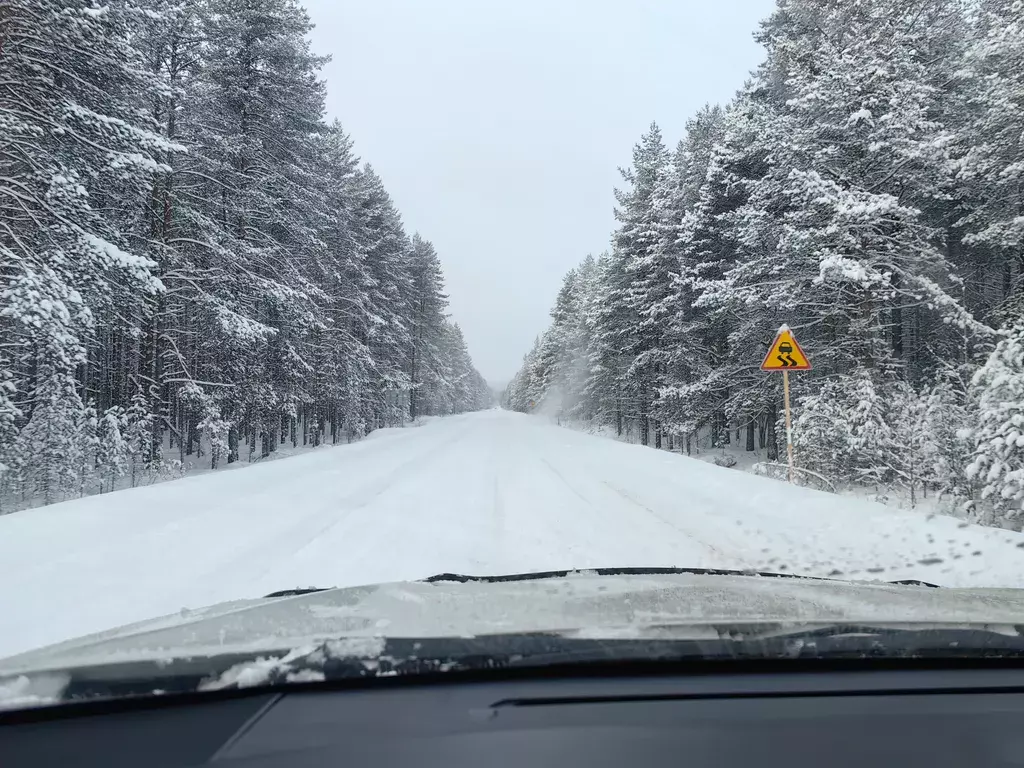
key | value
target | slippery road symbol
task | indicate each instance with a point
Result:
(785, 354)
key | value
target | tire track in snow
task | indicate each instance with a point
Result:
(567, 484)
(688, 534)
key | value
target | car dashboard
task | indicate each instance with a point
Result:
(854, 717)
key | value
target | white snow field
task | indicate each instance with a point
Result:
(485, 493)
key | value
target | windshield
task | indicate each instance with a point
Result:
(326, 293)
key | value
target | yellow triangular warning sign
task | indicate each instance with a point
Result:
(785, 354)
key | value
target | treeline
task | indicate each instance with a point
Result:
(865, 186)
(192, 261)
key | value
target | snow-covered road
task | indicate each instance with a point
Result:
(486, 493)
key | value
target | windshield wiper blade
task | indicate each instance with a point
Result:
(463, 578)
(297, 591)
(538, 575)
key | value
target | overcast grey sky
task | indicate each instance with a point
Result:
(498, 127)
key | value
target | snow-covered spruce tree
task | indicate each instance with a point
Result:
(111, 449)
(50, 443)
(142, 455)
(998, 462)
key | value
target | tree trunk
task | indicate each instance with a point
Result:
(773, 443)
(897, 318)
(750, 435)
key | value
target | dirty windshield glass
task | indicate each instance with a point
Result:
(644, 297)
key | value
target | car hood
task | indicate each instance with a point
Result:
(583, 604)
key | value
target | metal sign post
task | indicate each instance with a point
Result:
(786, 355)
(789, 424)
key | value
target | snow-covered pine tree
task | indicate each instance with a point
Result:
(263, 113)
(636, 323)
(184, 237)
(703, 355)
(429, 387)
(74, 153)
(990, 162)
(341, 358)
(387, 250)
(833, 237)
(862, 187)
(686, 340)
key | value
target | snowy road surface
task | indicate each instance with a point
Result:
(486, 493)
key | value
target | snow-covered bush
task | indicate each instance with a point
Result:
(998, 459)
(950, 413)
(843, 431)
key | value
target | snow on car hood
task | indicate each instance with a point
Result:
(579, 604)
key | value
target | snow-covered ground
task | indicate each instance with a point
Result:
(735, 455)
(485, 493)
